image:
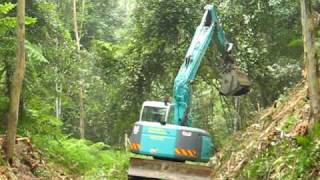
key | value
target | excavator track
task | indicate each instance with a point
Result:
(168, 170)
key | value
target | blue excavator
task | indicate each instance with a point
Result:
(164, 131)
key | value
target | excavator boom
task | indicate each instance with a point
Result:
(233, 83)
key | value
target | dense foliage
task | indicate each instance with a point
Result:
(130, 52)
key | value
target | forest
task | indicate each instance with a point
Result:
(74, 75)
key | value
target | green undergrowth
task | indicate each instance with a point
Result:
(93, 160)
(288, 158)
(82, 158)
(290, 121)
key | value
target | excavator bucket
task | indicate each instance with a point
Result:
(234, 83)
(168, 170)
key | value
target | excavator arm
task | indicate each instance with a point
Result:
(208, 30)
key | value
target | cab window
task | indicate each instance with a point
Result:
(153, 114)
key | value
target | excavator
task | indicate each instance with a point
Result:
(163, 139)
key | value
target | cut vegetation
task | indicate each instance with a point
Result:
(276, 145)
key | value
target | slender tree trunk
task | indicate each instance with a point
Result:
(308, 30)
(81, 113)
(238, 117)
(75, 24)
(58, 99)
(127, 6)
(83, 5)
(58, 85)
(16, 84)
(81, 91)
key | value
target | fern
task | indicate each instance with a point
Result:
(84, 157)
(9, 23)
(6, 7)
(35, 54)
(35, 59)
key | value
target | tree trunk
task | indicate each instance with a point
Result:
(82, 21)
(237, 117)
(75, 24)
(81, 92)
(16, 84)
(310, 57)
(58, 87)
(127, 6)
(58, 99)
(81, 113)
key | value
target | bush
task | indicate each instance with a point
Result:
(83, 157)
(34, 122)
(92, 160)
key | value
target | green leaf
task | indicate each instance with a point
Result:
(30, 20)
(317, 130)
(295, 43)
(35, 54)
(304, 141)
(6, 7)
